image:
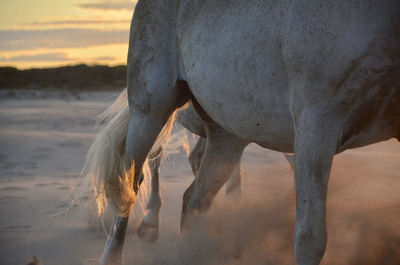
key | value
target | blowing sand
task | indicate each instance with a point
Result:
(43, 142)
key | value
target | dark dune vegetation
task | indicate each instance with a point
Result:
(80, 77)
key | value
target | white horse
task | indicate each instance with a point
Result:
(309, 77)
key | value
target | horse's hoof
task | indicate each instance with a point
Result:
(111, 260)
(189, 218)
(148, 232)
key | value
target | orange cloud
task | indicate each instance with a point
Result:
(127, 5)
(78, 22)
(59, 38)
(51, 56)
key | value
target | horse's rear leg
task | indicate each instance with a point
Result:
(144, 127)
(148, 228)
(154, 89)
(315, 146)
(222, 155)
(143, 130)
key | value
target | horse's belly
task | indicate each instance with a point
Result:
(250, 117)
(253, 116)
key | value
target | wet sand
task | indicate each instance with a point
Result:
(43, 143)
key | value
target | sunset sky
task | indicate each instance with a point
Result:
(46, 33)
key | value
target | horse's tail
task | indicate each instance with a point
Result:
(108, 172)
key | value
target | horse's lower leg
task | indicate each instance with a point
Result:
(314, 149)
(113, 251)
(195, 158)
(138, 145)
(148, 228)
(185, 201)
(222, 155)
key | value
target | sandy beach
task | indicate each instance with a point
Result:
(44, 138)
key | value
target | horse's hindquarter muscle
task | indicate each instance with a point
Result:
(153, 92)
(153, 56)
(340, 58)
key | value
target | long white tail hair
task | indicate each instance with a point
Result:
(108, 174)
